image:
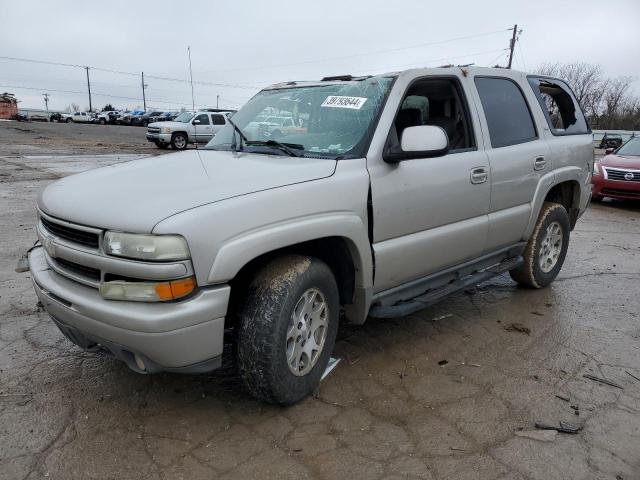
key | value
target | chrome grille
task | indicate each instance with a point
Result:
(71, 234)
(620, 174)
(153, 130)
(81, 270)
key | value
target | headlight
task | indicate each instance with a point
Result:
(165, 130)
(146, 247)
(147, 291)
(596, 169)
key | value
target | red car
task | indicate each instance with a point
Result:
(617, 174)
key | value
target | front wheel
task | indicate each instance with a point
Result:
(287, 329)
(69, 120)
(179, 141)
(547, 248)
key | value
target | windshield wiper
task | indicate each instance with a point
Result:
(285, 147)
(242, 136)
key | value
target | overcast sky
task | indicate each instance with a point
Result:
(251, 43)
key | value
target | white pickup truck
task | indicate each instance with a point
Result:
(78, 117)
(188, 127)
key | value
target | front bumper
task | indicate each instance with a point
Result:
(183, 336)
(159, 137)
(620, 189)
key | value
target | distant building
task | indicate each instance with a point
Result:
(8, 105)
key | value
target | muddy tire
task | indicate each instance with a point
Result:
(287, 329)
(547, 248)
(179, 141)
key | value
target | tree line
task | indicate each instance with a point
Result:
(608, 103)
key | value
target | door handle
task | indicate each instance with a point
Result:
(479, 175)
(539, 163)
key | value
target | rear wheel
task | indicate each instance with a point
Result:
(547, 248)
(179, 141)
(287, 329)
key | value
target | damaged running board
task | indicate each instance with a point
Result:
(383, 308)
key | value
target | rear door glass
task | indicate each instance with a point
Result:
(561, 109)
(506, 110)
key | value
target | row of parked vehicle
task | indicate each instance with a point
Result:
(139, 118)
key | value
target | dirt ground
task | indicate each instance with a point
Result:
(451, 392)
(44, 138)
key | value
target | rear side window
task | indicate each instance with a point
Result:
(506, 110)
(204, 119)
(561, 109)
(217, 119)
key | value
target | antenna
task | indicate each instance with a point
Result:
(193, 101)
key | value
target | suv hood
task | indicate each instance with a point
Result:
(621, 161)
(134, 196)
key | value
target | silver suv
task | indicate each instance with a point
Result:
(394, 191)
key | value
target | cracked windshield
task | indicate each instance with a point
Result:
(326, 121)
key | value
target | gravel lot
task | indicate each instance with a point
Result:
(451, 392)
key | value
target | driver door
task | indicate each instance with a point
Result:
(430, 213)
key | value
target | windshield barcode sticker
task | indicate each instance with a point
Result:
(338, 101)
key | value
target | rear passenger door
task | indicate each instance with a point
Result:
(217, 121)
(519, 157)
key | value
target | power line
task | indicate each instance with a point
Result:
(121, 72)
(442, 59)
(17, 87)
(389, 50)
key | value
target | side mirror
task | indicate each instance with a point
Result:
(196, 122)
(609, 151)
(422, 141)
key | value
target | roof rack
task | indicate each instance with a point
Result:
(344, 78)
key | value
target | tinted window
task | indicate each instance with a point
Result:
(560, 107)
(506, 111)
(204, 119)
(218, 119)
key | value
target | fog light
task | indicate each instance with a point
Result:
(147, 291)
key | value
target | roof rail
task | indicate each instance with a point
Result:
(344, 78)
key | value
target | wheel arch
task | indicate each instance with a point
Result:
(342, 256)
(568, 194)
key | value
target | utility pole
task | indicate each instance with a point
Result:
(512, 44)
(193, 101)
(89, 88)
(144, 98)
(217, 102)
(46, 100)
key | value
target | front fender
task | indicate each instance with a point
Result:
(240, 250)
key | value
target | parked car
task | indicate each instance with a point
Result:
(79, 117)
(163, 117)
(103, 118)
(617, 174)
(378, 209)
(56, 117)
(127, 118)
(145, 119)
(187, 128)
(39, 117)
(610, 140)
